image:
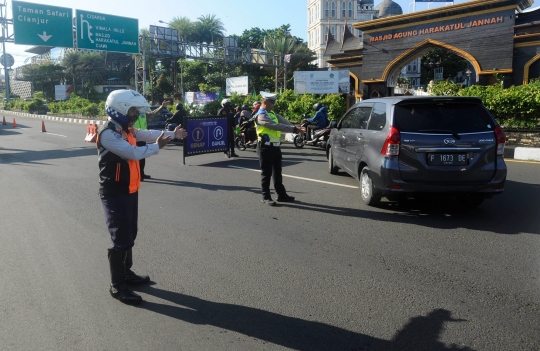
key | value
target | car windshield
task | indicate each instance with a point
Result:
(442, 117)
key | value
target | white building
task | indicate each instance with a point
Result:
(332, 16)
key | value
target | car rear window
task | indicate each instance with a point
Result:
(442, 116)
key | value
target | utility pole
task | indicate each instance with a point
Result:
(5, 37)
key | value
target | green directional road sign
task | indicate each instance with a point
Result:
(97, 31)
(36, 24)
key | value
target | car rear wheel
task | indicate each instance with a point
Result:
(368, 193)
(470, 200)
(331, 167)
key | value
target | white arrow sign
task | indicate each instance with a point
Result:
(44, 36)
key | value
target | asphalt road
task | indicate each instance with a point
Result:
(229, 273)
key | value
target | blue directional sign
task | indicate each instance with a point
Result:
(206, 135)
(98, 31)
(43, 25)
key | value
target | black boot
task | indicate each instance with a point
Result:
(131, 277)
(119, 289)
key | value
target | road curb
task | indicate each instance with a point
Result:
(54, 118)
(522, 153)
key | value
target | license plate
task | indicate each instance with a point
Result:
(447, 159)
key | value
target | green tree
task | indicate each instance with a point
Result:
(185, 28)
(44, 76)
(449, 61)
(209, 29)
(71, 63)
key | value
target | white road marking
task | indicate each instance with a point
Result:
(63, 136)
(301, 178)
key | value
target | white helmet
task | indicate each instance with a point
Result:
(122, 100)
(225, 102)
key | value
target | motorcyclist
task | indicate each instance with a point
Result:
(245, 121)
(256, 107)
(177, 118)
(319, 121)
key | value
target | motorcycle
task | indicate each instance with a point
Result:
(242, 138)
(320, 136)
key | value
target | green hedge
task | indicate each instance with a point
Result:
(514, 107)
(77, 104)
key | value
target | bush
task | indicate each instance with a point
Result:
(514, 107)
(91, 110)
(76, 105)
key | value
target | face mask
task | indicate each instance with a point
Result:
(133, 119)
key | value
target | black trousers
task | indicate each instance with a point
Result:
(121, 216)
(270, 161)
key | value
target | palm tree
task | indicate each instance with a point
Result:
(184, 26)
(281, 45)
(209, 28)
(286, 44)
(71, 62)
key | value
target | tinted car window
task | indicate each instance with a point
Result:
(361, 117)
(347, 120)
(442, 116)
(378, 117)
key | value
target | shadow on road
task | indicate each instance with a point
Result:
(507, 213)
(420, 333)
(38, 157)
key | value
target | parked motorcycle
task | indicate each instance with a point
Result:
(320, 136)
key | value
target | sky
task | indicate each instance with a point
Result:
(236, 15)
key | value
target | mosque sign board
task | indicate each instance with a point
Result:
(237, 85)
(321, 82)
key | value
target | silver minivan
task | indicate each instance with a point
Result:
(402, 147)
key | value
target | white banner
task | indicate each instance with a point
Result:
(62, 92)
(237, 85)
(321, 82)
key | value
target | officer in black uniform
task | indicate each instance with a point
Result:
(227, 110)
(269, 126)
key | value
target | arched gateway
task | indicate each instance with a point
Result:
(495, 36)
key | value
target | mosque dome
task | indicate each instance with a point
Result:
(388, 8)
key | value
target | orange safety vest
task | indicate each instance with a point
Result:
(117, 176)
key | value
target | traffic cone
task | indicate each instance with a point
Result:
(4, 120)
(14, 123)
(43, 127)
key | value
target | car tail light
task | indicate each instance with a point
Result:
(501, 140)
(394, 187)
(392, 143)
